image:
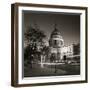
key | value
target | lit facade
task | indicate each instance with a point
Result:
(56, 46)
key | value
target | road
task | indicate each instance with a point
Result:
(51, 70)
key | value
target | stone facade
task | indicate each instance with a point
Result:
(57, 47)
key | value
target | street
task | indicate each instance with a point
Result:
(36, 70)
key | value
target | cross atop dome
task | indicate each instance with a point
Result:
(55, 25)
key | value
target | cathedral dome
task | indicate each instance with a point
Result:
(56, 39)
(55, 32)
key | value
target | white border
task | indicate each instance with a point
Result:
(33, 80)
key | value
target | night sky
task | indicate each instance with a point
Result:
(67, 24)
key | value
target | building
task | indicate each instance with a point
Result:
(58, 51)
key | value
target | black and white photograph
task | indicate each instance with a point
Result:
(51, 44)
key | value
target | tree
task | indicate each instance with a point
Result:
(33, 38)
